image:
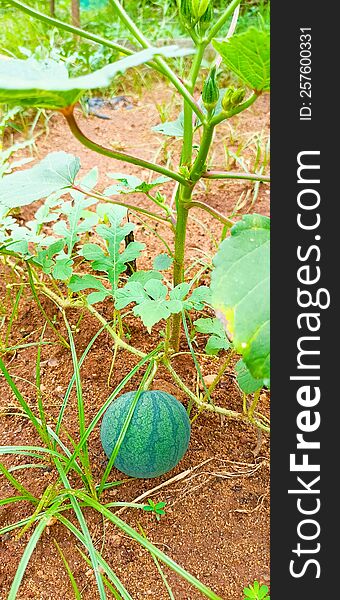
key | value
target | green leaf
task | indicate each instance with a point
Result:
(215, 344)
(245, 380)
(207, 325)
(112, 261)
(130, 183)
(79, 220)
(174, 306)
(63, 268)
(199, 297)
(171, 128)
(55, 173)
(113, 212)
(155, 289)
(240, 291)
(131, 252)
(248, 55)
(262, 593)
(249, 593)
(218, 340)
(151, 311)
(180, 291)
(46, 84)
(131, 292)
(162, 262)
(144, 276)
(79, 283)
(44, 258)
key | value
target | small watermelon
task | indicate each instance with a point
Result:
(156, 439)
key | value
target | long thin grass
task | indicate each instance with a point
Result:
(63, 496)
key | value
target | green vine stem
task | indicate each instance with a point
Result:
(216, 174)
(219, 375)
(222, 116)
(64, 304)
(212, 211)
(254, 404)
(230, 414)
(139, 162)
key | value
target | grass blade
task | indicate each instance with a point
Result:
(73, 378)
(109, 572)
(105, 579)
(84, 457)
(38, 383)
(26, 557)
(83, 525)
(13, 314)
(159, 569)
(10, 500)
(21, 400)
(16, 484)
(75, 588)
(208, 593)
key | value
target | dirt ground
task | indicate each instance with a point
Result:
(217, 516)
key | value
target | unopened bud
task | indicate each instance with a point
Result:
(210, 93)
(232, 98)
(206, 19)
(185, 12)
(199, 7)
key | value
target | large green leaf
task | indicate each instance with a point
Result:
(240, 291)
(46, 84)
(245, 380)
(56, 172)
(248, 55)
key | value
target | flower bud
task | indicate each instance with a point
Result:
(185, 12)
(206, 19)
(199, 7)
(232, 98)
(210, 93)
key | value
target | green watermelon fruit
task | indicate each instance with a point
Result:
(156, 439)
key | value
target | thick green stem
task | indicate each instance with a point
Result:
(186, 157)
(178, 270)
(199, 165)
(69, 116)
(183, 205)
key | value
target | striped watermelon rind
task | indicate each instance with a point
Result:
(156, 439)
